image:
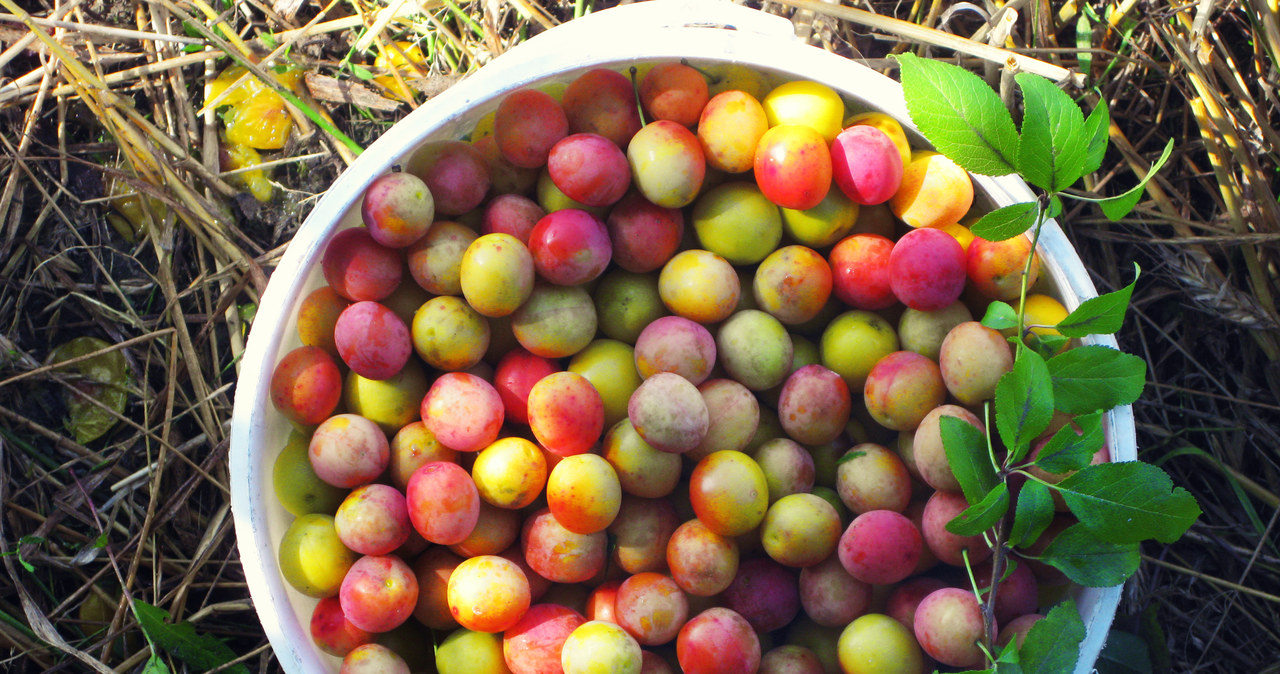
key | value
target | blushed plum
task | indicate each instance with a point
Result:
(551, 199)
(728, 492)
(566, 413)
(866, 164)
(510, 473)
(378, 593)
(669, 413)
(927, 269)
(432, 569)
(972, 359)
(556, 321)
(800, 530)
(733, 414)
(559, 555)
(332, 632)
(295, 483)
(755, 349)
(435, 260)
(626, 302)
(880, 547)
(675, 344)
(465, 651)
(928, 452)
(504, 177)
(372, 340)
(642, 470)
(456, 173)
(602, 603)
(702, 562)
(729, 127)
(793, 283)
(449, 334)
(583, 493)
(737, 221)
(488, 593)
(651, 608)
(392, 402)
(463, 411)
(313, 559)
(496, 274)
(306, 385)
(942, 507)
(854, 342)
(533, 645)
(700, 286)
(949, 627)
(934, 192)
(373, 659)
(514, 376)
(902, 388)
(788, 467)
(674, 91)
(589, 169)
(995, 267)
(860, 272)
(600, 646)
(527, 123)
(644, 235)
(830, 596)
(667, 164)
(902, 601)
(871, 477)
(793, 166)
(1016, 595)
(718, 641)
(359, 268)
(1017, 629)
(496, 530)
(923, 331)
(412, 447)
(570, 247)
(443, 502)
(640, 534)
(814, 405)
(765, 593)
(806, 102)
(373, 519)
(602, 101)
(834, 218)
(878, 644)
(348, 450)
(887, 125)
(317, 315)
(610, 366)
(513, 214)
(790, 659)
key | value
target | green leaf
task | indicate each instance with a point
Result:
(1053, 644)
(1000, 316)
(1051, 153)
(1101, 315)
(1047, 345)
(1024, 402)
(155, 665)
(1128, 502)
(1084, 43)
(962, 116)
(1055, 206)
(1007, 222)
(1033, 514)
(361, 72)
(983, 515)
(1070, 450)
(966, 448)
(849, 456)
(1093, 377)
(1119, 206)
(1124, 653)
(1097, 128)
(200, 651)
(1089, 560)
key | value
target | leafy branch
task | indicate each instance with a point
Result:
(1117, 505)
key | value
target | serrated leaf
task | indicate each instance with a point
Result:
(1007, 222)
(1089, 560)
(1124, 653)
(1051, 152)
(1053, 644)
(202, 652)
(1070, 450)
(1032, 514)
(1101, 315)
(1097, 128)
(1129, 502)
(1000, 316)
(966, 449)
(1024, 402)
(1093, 377)
(960, 114)
(1048, 345)
(983, 515)
(1055, 206)
(1119, 206)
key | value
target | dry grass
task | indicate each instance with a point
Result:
(101, 90)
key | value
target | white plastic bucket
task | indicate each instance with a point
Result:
(703, 31)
